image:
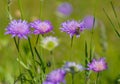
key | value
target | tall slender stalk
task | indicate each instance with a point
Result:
(20, 7)
(71, 41)
(31, 47)
(41, 6)
(53, 60)
(97, 78)
(16, 44)
(72, 78)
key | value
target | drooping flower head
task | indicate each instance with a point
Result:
(65, 9)
(71, 27)
(18, 28)
(97, 65)
(87, 23)
(49, 43)
(72, 67)
(41, 27)
(55, 77)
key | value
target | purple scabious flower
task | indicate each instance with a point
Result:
(71, 27)
(65, 9)
(97, 65)
(55, 77)
(41, 27)
(18, 28)
(87, 22)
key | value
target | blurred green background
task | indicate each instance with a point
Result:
(31, 10)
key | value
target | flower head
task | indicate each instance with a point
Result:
(87, 22)
(55, 77)
(41, 27)
(71, 27)
(65, 9)
(49, 43)
(97, 65)
(72, 67)
(18, 28)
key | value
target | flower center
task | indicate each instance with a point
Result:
(20, 28)
(99, 66)
(43, 27)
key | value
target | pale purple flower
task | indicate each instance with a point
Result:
(97, 65)
(87, 23)
(55, 77)
(72, 67)
(41, 27)
(71, 27)
(65, 9)
(18, 28)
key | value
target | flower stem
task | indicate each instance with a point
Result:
(41, 6)
(31, 47)
(53, 60)
(37, 40)
(72, 78)
(20, 7)
(8, 10)
(97, 78)
(71, 41)
(16, 44)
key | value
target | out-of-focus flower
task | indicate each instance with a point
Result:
(18, 28)
(41, 27)
(72, 67)
(97, 65)
(87, 23)
(17, 13)
(55, 77)
(64, 9)
(71, 27)
(49, 43)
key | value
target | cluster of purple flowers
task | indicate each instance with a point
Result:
(22, 29)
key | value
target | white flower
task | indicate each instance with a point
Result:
(72, 67)
(49, 43)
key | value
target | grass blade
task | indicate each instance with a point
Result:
(111, 23)
(115, 13)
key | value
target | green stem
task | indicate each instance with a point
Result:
(16, 44)
(53, 60)
(31, 48)
(41, 6)
(37, 40)
(8, 10)
(97, 78)
(87, 80)
(71, 41)
(20, 7)
(72, 78)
